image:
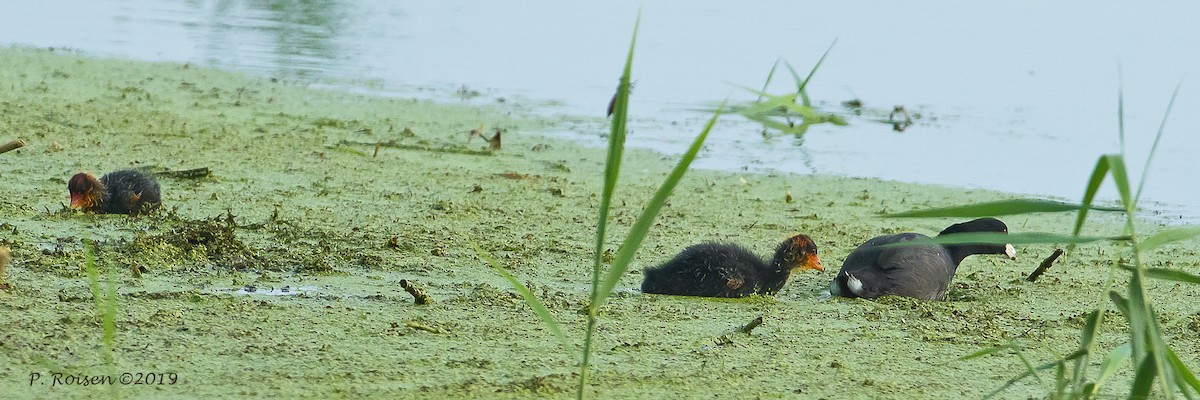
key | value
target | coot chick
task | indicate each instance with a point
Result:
(726, 270)
(120, 192)
(918, 271)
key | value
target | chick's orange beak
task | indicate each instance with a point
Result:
(814, 262)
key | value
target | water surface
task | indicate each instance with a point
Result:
(1016, 96)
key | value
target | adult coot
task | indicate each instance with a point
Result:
(919, 271)
(119, 192)
(726, 270)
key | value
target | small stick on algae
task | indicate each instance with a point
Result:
(13, 145)
(1045, 265)
(4, 256)
(418, 294)
(750, 326)
(194, 173)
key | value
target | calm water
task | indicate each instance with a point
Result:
(1018, 96)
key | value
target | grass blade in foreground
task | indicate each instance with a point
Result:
(1154, 149)
(802, 84)
(612, 164)
(638, 233)
(1168, 236)
(997, 208)
(1003, 238)
(530, 299)
(612, 170)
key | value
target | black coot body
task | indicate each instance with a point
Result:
(918, 271)
(726, 270)
(119, 192)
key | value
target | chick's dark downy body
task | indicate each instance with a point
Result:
(726, 270)
(118, 192)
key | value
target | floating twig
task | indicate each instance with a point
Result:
(194, 173)
(4, 263)
(397, 145)
(4, 256)
(13, 145)
(1045, 265)
(418, 294)
(423, 327)
(750, 326)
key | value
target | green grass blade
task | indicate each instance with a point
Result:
(1089, 330)
(1119, 302)
(1001, 238)
(612, 165)
(1121, 107)
(1026, 374)
(801, 85)
(1167, 274)
(530, 298)
(986, 351)
(1168, 236)
(770, 75)
(640, 227)
(1116, 165)
(1028, 365)
(105, 299)
(1112, 361)
(1089, 193)
(1060, 380)
(996, 208)
(1143, 381)
(1147, 343)
(612, 169)
(1185, 376)
(1154, 148)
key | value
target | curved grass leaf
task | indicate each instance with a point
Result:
(802, 84)
(770, 75)
(1154, 148)
(1011, 381)
(1121, 107)
(640, 227)
(1116, 165)
(1185, 377)
(530, 298)
(612, 169)
(1167, 274)
(612, 164)
(1089, 193)
(1168, 236)
(1143, 381)
(997, 208)
(986, 351)
(1111, 362)
(1119, 302)
(1003, 238)
(1089, 330)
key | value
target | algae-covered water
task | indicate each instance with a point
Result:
(278, 272)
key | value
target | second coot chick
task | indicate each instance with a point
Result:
(921, 271)
(119, 192)
(725, 270)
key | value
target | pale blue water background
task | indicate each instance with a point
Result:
(1018, 96)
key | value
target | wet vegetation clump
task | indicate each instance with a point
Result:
(212, 239)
